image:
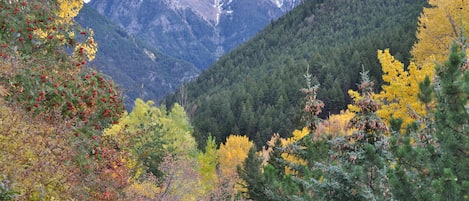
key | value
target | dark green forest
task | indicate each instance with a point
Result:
(254, 90)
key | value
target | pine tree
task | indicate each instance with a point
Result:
(452, 126)
(252, 177)
(431, 162)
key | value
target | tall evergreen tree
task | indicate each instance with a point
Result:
(360, 170)
(253, 180)
(452, 126)
(431, 162)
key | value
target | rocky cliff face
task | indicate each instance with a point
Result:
(138, 68)
(197, 31)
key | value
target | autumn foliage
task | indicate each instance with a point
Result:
(65, 134)
(56, 108)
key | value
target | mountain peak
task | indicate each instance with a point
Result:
(197, 31)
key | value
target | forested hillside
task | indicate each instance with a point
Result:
(254, 90)
(137, 67)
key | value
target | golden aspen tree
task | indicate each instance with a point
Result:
(399, 96)
(232, 153)
(336, 125)
(439, 24)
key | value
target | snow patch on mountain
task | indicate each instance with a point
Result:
(212, 10)
(209, 10)
(286, 5)
(279, 3)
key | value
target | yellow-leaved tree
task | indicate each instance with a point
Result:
(140, 134)
(231, 154)
(399, 95)
(177, 131)
(336, 125)
(440, 24)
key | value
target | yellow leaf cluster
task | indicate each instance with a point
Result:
(233, 153)
(441, 23)
(89, 47)
(337, 124)
(355, 95)
(399, 96)
(297, 135)
(66, 11)
(69, 9)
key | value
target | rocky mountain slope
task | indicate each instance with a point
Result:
(139, 69)
(197, 31)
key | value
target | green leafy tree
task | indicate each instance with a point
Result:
(140, 134)
(208, 162)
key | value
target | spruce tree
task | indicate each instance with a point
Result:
(359, 171)
(452, 126)
(253, 179)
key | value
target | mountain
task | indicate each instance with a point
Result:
(197, 31)
(255, 89)
(139, 69)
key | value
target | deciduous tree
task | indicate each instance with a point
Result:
(440, 24)
(399, 95)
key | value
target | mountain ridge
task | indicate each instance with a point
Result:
(139, 69)
(197, 31)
